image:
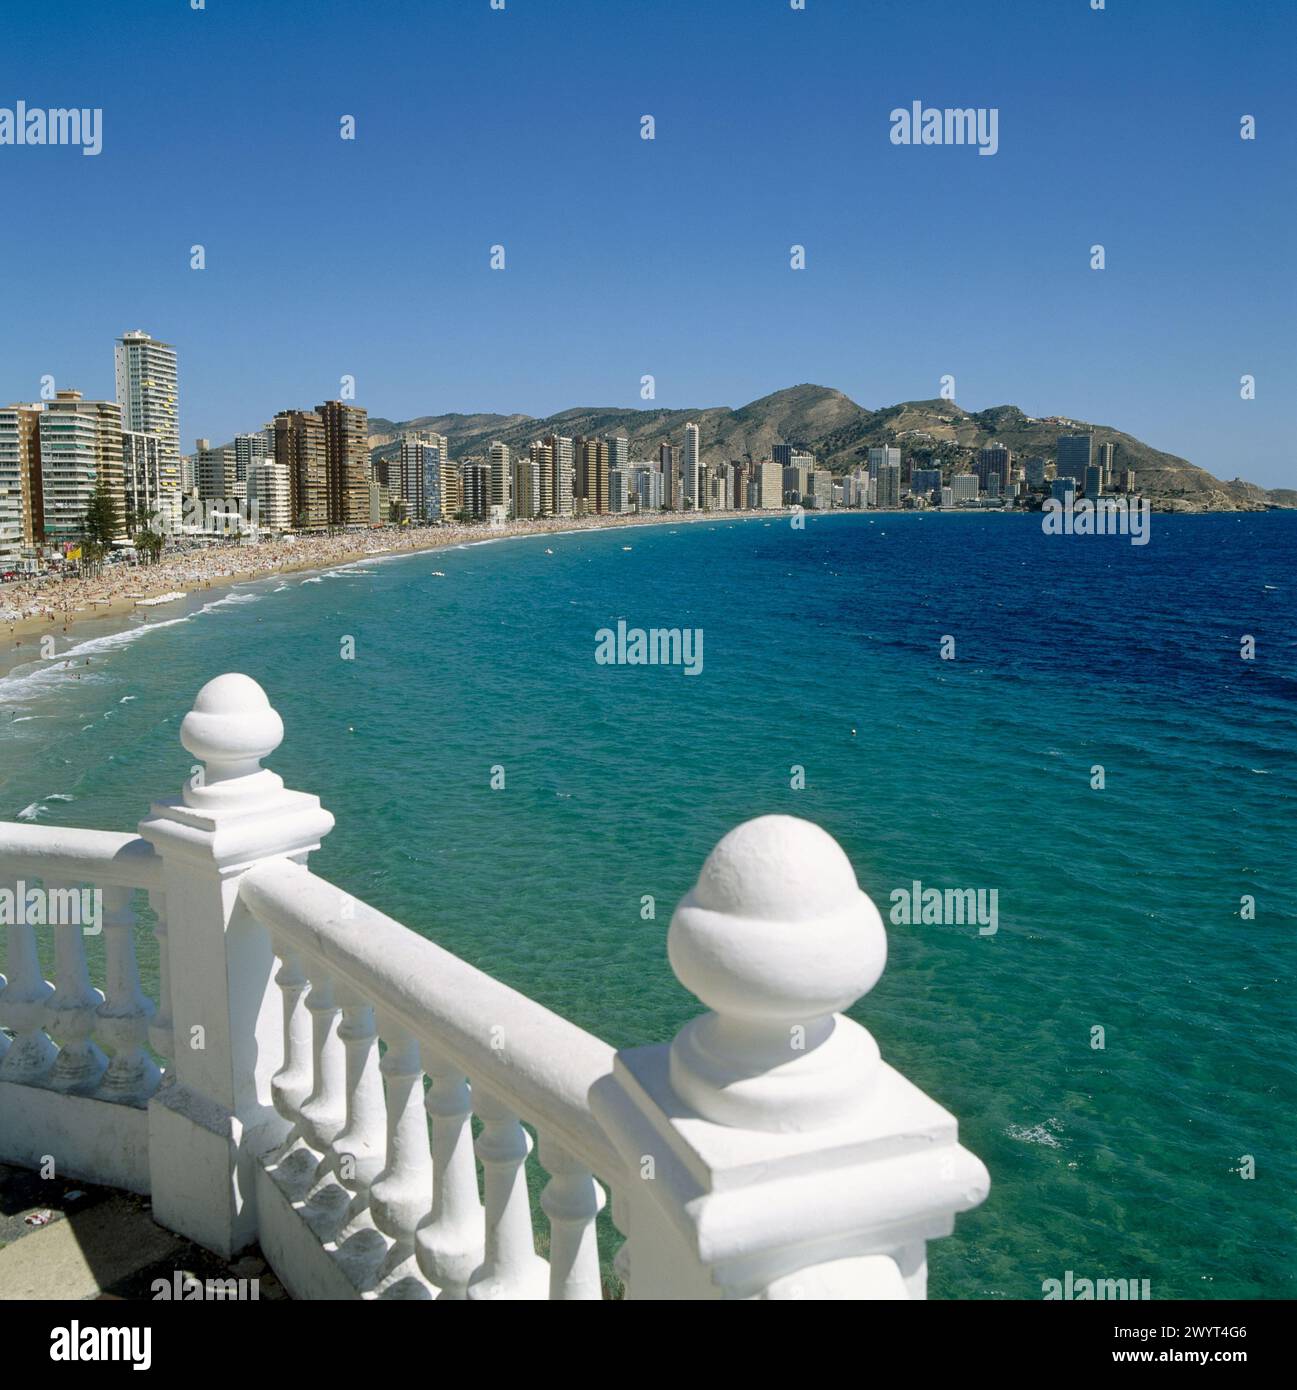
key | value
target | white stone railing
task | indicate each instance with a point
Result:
(325, 1066)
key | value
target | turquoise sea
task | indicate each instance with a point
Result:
(1118, 908)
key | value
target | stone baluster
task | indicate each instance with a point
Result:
(161, 1028)
(399, 1196)
(125, 1013)
(71, 1008)
(291, 1084)
(511, 1268)
(356, 1152)
(777, 1155)
(450, 1241)
(324, 1112)
(23, 1006)
(572, 1200)
(213, 1123)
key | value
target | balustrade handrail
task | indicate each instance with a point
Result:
(105, 857)
(539, 1063)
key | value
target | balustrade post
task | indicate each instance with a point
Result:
(72, 1007)
(24, 1003)
(125, 1014)
(511, 1268)
(771, 1152)
(449, 1242)
(399, 1197)
(217, 1116)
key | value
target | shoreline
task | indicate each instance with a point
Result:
(22, 635)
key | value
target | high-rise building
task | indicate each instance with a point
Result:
(618, 451)
(1035, 469)
(1106, 452)
(500, 461)
(80, 450)
(346, 462)
(252, 448)
(213, 470)
(420, 477)
(148, 506)
(924, 480)
(994, 459)
(591, 457)
(475, 475)
(542, 455)
(526, 485)
(691, 483)
(767, 491)
(648, 484)
(947, 496)
(963, 488)
(883, 456)
(148, 393)
(740, 473)
(270, 494)
(621, 494)
(1063, 488)
(300, 445)
(1093, 481)
(819, 490)
(1073, 456)
(562, 464)
(20, 481)
(889, 485)
(670, 467)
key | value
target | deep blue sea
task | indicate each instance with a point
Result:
(1119, 908)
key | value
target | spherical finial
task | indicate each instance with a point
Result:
(777, 929)
(231, 727)
(776, 938)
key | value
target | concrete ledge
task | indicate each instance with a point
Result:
(97, 1141)
(292, 1249)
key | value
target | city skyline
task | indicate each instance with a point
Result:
(671, 257)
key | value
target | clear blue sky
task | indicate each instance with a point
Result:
(669, 257)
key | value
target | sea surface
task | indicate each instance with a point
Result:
(1120, 908)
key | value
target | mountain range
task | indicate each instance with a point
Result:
(839, 433)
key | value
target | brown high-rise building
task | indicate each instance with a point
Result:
(299, 443)
(346, 461)
(20, 434)
(591, 460)
(670, 476)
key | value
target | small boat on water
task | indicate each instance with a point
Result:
(548, 551)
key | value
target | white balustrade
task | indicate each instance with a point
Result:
(766, 1152)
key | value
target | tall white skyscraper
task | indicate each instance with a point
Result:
(690, 469)
(149, 396)
(501, 461)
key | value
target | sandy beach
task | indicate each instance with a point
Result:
(30, 609)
